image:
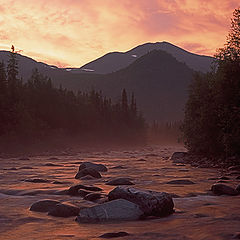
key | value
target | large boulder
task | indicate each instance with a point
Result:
(97, 167)
(73, 190)
(119, 209)
(150, 202)
(119, 181)
(222, 189)
(64, 210)
(43, 205)
(179, 157)
(88, 171)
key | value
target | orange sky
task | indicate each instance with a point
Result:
(74, 32)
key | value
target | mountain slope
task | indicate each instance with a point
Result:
(115, 61)
(159, 82)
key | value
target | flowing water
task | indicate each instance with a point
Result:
(198, 214)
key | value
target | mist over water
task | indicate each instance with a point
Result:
(198, 215)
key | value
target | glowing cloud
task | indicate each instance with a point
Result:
(74, 32)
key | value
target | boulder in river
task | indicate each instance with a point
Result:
(43, 205)
(64, 210)
(119, 209)
(119, 181)
(179, 157)
(181, 181)
(73, 190)
(88, 171)
(95, 166)
(93, 197)
(37, 180)
(114, 235)
(150, 202)
(222, 189)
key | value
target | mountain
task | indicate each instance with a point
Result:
(26, 65)
(115, 61)
(158, 80)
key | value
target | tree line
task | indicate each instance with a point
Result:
(35, 109)
(212, 114)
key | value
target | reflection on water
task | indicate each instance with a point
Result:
(198, 215)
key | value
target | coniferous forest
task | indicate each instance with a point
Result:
(34, 109)
(212, 117)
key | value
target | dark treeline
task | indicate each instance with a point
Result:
(212, 117)
(36, 109)
(165, 133)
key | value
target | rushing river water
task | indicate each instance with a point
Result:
(198, 214)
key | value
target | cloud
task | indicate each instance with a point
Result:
(73, 32)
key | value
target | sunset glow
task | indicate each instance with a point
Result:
(74, 32)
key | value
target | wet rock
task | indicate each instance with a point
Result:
(119, 209)
(118, 167)
(74, 189)
(173, 195)
(238, 188)
(119, 181)
(43, 205)
(88, 171)
(179, 157)
(64, 210)
(150, 202)
(222, 189)
(114, 235)
(51, 165)
(61, 192)
(57, 182)
(37, 180)
(13, 168)
(93, 197)
(88, 177)
(180, 181)
(83, 193)
(95, 166)
(26, 167)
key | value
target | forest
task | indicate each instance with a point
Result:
(212, 113)
(34, 110)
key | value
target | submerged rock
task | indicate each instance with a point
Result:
(114, 235)
(43, 205)
(119, 209)
(74, 189)
(222, 189)
(88, 171)
(64, 210)
(181, 181)
(93, 196)
(150, 202)
(119, 181)
(95, 166)
(179, 157)
(37, 180)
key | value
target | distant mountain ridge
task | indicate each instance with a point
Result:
(158, 79)
(115, 61)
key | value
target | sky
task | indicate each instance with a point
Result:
(70, 33)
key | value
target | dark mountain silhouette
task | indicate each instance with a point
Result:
(159, 82)
(115, 61)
